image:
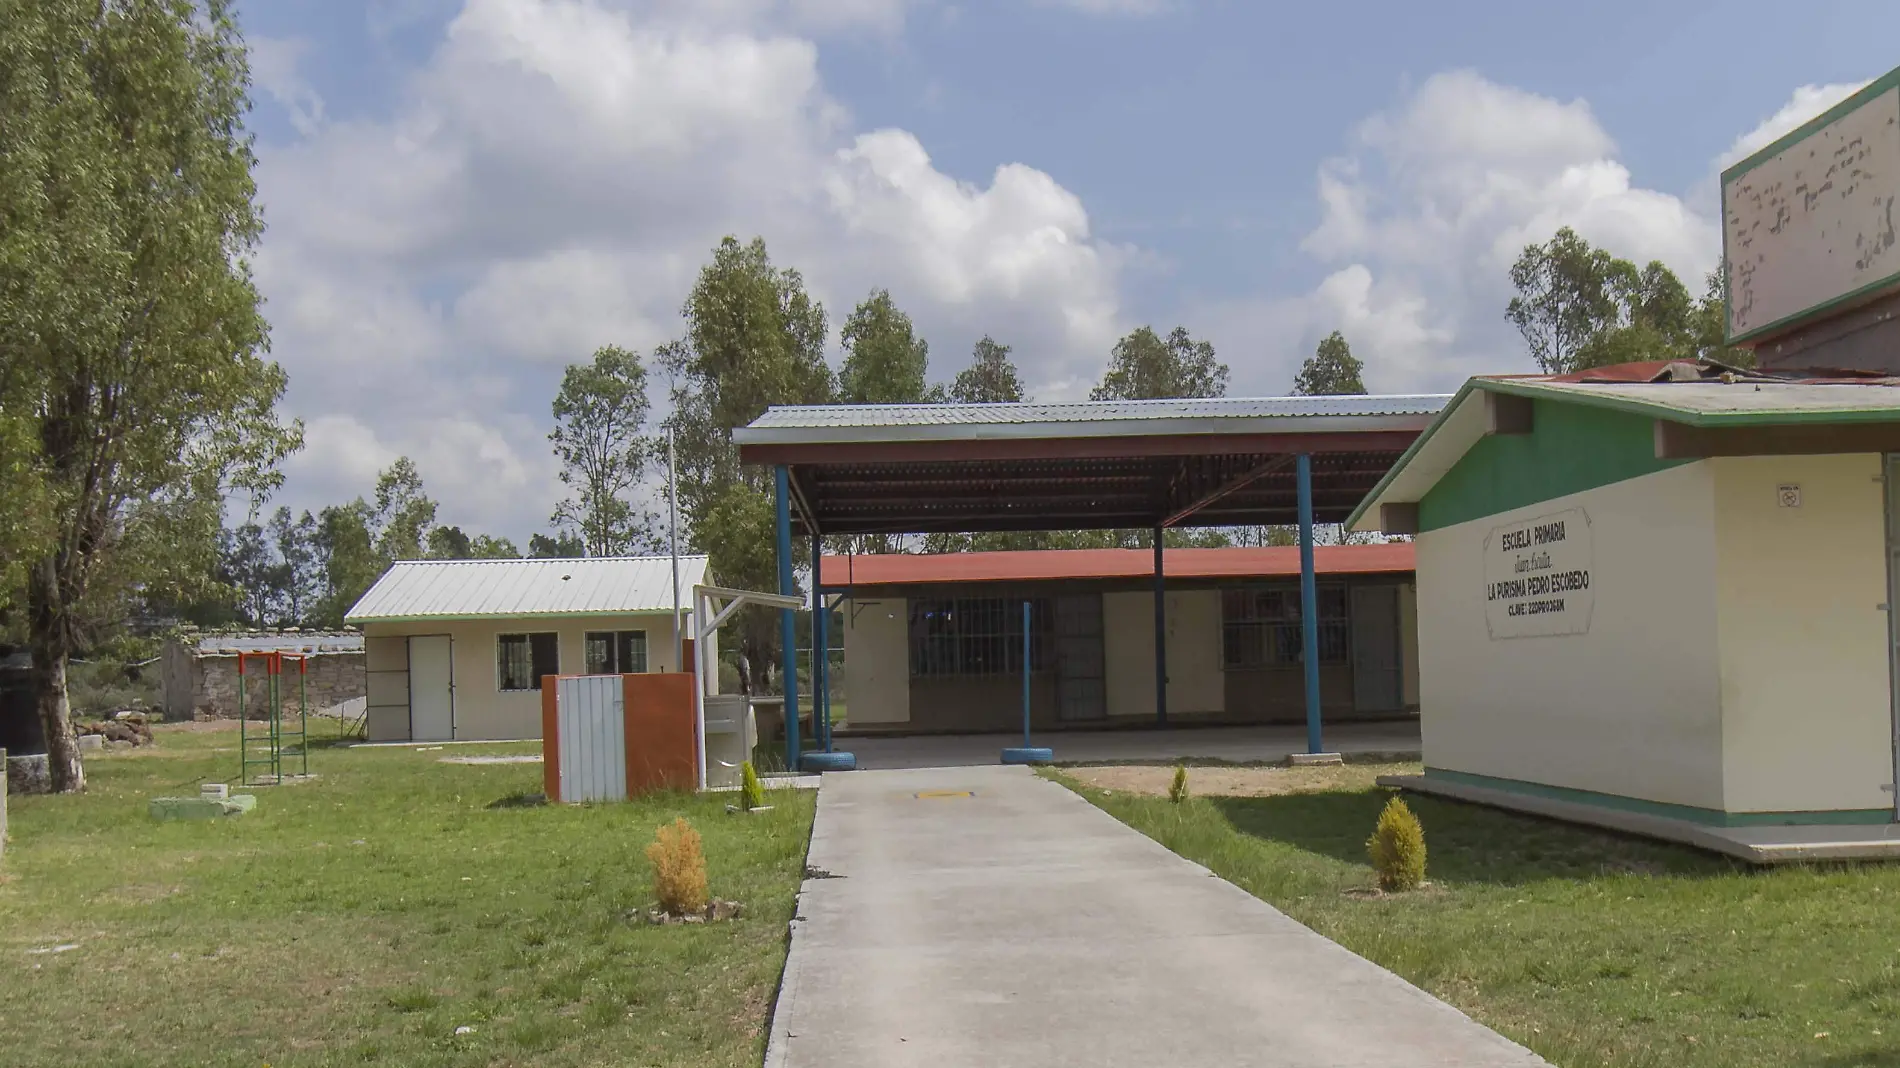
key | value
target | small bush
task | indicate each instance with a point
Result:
(1177, 790)
(1397, 846)
(679, 869)
(751, 790)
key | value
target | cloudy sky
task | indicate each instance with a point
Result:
(463, 196)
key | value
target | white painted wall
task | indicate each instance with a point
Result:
(1807, 715)
(1195, 681)
(481, 710)
(1632, 706)
(877, 660)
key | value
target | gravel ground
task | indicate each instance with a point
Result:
(1237, 782)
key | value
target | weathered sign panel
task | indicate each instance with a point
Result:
(1808, 222)
(1537, 579)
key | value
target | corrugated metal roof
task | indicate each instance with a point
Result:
(1750, 399)
(898, 569)
(1087, 418)
(487, 589)
(312, 643)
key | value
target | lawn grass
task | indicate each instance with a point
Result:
(362, 917)
(1589, 948)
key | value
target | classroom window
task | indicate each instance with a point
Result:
(1260, 627)
(616, 652)
(522, 660)
(976, 636)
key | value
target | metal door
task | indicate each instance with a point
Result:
(1892, 480)
(1081, 694)
(431, 688)
(1378, 681)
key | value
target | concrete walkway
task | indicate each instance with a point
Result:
(1265, 744)
(1020, 927)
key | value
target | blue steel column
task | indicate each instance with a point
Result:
(788, 618)
(820, 653)
(1026, 666)
(1309, 606)
(1161, 637)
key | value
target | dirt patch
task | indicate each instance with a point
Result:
(1153, 779)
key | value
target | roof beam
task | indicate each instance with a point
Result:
(1232, 486)
(1124, 447)
(1680, 441)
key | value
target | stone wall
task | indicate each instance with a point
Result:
(333, 678)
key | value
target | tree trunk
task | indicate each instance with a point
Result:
(48, 638)
(62, 748)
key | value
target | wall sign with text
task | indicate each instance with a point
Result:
(1537, 576)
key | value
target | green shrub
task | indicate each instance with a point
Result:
(751, 790)
(1397, 846)
(1177, 790)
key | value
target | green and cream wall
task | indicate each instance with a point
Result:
(1656, 635)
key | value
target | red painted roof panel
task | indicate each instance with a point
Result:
(903, 569)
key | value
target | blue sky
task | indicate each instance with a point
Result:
(464, 195)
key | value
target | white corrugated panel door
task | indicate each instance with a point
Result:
(593, 731)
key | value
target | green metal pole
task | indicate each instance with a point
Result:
(276, 728)
(303, 716)
(244, 734)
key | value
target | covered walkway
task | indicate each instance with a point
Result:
(986, 918)
(1100, 465)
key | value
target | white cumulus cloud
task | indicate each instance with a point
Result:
(552, 178)
(1422, 215)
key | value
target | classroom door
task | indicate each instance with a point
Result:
(431, 688)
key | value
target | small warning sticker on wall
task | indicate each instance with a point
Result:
(1788, 495)
(1537, 579)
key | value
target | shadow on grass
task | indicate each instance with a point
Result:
(1885, 1057)
(1466, 843)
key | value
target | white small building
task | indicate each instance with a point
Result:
(1658, 597)
(457, 649)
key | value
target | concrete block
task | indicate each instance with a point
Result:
(201, 808)
(89, 742)
(1308, 760)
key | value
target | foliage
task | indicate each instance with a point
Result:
(129, 325)
(1580, 307)
(1145, 367)
(560, 546)
(599, 416)
(885, 361)
(1397, 847)
(364, 917)
(754, 338)
(679, 869)
(990, 379)
(1332, 370)
(751, 790)
(1178, 787)
(403, 513)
